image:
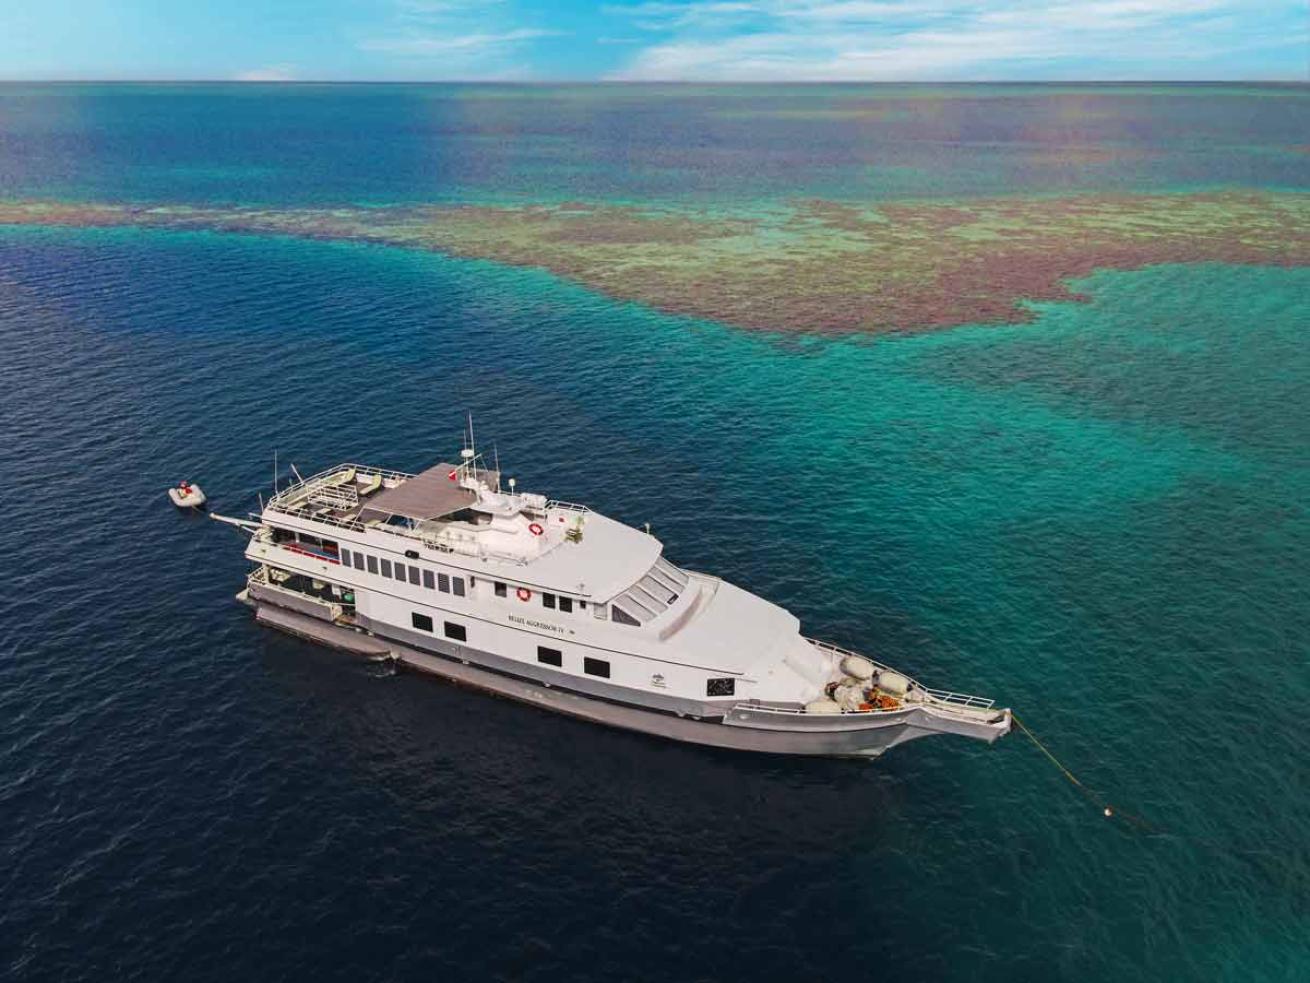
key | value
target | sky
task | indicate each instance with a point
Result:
(655, 40)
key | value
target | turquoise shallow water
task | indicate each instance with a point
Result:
(1099, 518)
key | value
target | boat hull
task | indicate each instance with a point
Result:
(741, 728)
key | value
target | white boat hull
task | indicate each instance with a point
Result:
(743, 727)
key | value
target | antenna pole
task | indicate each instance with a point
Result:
(495, 452)
(274, 470)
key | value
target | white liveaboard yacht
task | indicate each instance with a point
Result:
(550, 603)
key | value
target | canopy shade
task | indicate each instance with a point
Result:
(429, 494)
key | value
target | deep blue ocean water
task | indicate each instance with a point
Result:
(1098, 518)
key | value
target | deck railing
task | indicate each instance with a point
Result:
(298, 500)
(951, 699)
(258, 578)
(558, 506)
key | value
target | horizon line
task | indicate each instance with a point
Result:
(646, 82)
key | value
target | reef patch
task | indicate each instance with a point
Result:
(814, 266)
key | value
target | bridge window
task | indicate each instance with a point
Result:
(457, 586)
(596, 667)
(429, 581)
(400, 571)
(720, 687)
(386, 568)
(443, 583)
(358, 560)
(500, 589)
(551, 657)
(413, 576)
(421, 621)
(372, 564)
(622, 617)
(566, 605)
(345, 557)
(456, 632)
(547, 600)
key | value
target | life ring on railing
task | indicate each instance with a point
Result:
(523, 594)
(536, 529)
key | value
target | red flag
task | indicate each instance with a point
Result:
(452, 475)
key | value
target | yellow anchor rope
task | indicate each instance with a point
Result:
(1107, 810)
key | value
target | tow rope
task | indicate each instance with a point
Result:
(1106, 809)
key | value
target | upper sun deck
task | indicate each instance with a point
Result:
(460, 511)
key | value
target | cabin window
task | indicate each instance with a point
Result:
(456, 632)
(457, 586)
(551, 657)
(345, 557)
(421, 621)
(443, 583)
(358, 560)
(500, 589)
(547, 600)
(372, 564)
(623, 618)
(566, 605)
(386, 568)
(413, 576)
(596, 667)
(720, 687)
(598, 612)
(429, 581)
(582, 605)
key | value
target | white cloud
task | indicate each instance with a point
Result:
(461, 38)
(422, 11)
(436, 44)
(269, 73)
(892, 40)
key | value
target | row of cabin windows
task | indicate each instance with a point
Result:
(554, 657)
(592, 667)
(548, 600)
(403, 572)
(724, 686)
(451, 629)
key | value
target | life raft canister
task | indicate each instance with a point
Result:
(523, 594)
(536, 529)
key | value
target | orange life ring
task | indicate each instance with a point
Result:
(523, 594)
(536, 530)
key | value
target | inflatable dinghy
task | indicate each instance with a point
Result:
(187, 495)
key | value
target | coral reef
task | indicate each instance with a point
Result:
(810, 266)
